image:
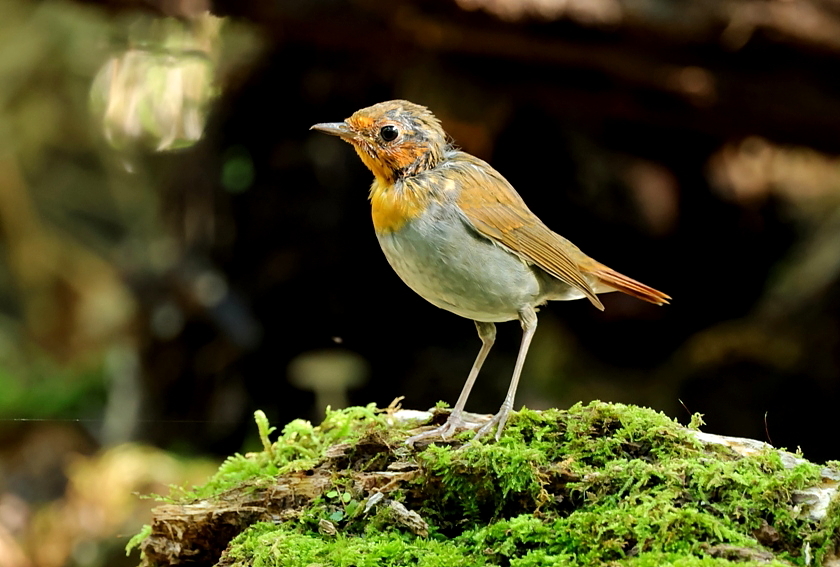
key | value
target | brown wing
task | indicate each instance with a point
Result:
(497, 211)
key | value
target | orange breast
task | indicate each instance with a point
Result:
(392, 207)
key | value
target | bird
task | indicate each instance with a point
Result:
(457, 233)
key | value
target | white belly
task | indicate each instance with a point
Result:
(454, 268)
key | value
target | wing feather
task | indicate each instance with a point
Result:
(497, 211)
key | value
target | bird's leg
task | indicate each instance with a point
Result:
(528, 317)
(487, 334)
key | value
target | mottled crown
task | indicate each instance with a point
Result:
(418, 141)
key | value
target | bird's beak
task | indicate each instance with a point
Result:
(340, 129)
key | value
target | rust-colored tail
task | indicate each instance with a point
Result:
(615, 280)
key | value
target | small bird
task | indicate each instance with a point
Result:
(458, 234)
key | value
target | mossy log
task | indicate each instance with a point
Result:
(596, 484)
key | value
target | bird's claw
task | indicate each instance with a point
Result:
(456, 423)
(448, 429)
(498, 421)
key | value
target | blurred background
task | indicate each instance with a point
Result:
(177, 249)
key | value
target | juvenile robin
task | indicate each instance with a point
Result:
(458, 234)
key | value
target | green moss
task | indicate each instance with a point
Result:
(298, 448)
(137, 539)
(676, 560)
(270, 545)
(826, 539)
(599, 484)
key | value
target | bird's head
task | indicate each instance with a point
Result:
(395, 139)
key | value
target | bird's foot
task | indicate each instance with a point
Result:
(452, 425)
(498, 421)
(456, 423)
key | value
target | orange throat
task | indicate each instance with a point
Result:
(391, 207)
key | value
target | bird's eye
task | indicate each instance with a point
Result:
(389, 133)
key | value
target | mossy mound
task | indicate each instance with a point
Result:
(596, 484)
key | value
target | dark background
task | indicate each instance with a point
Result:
(178, 244)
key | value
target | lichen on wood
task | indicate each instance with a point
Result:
(593, 485)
